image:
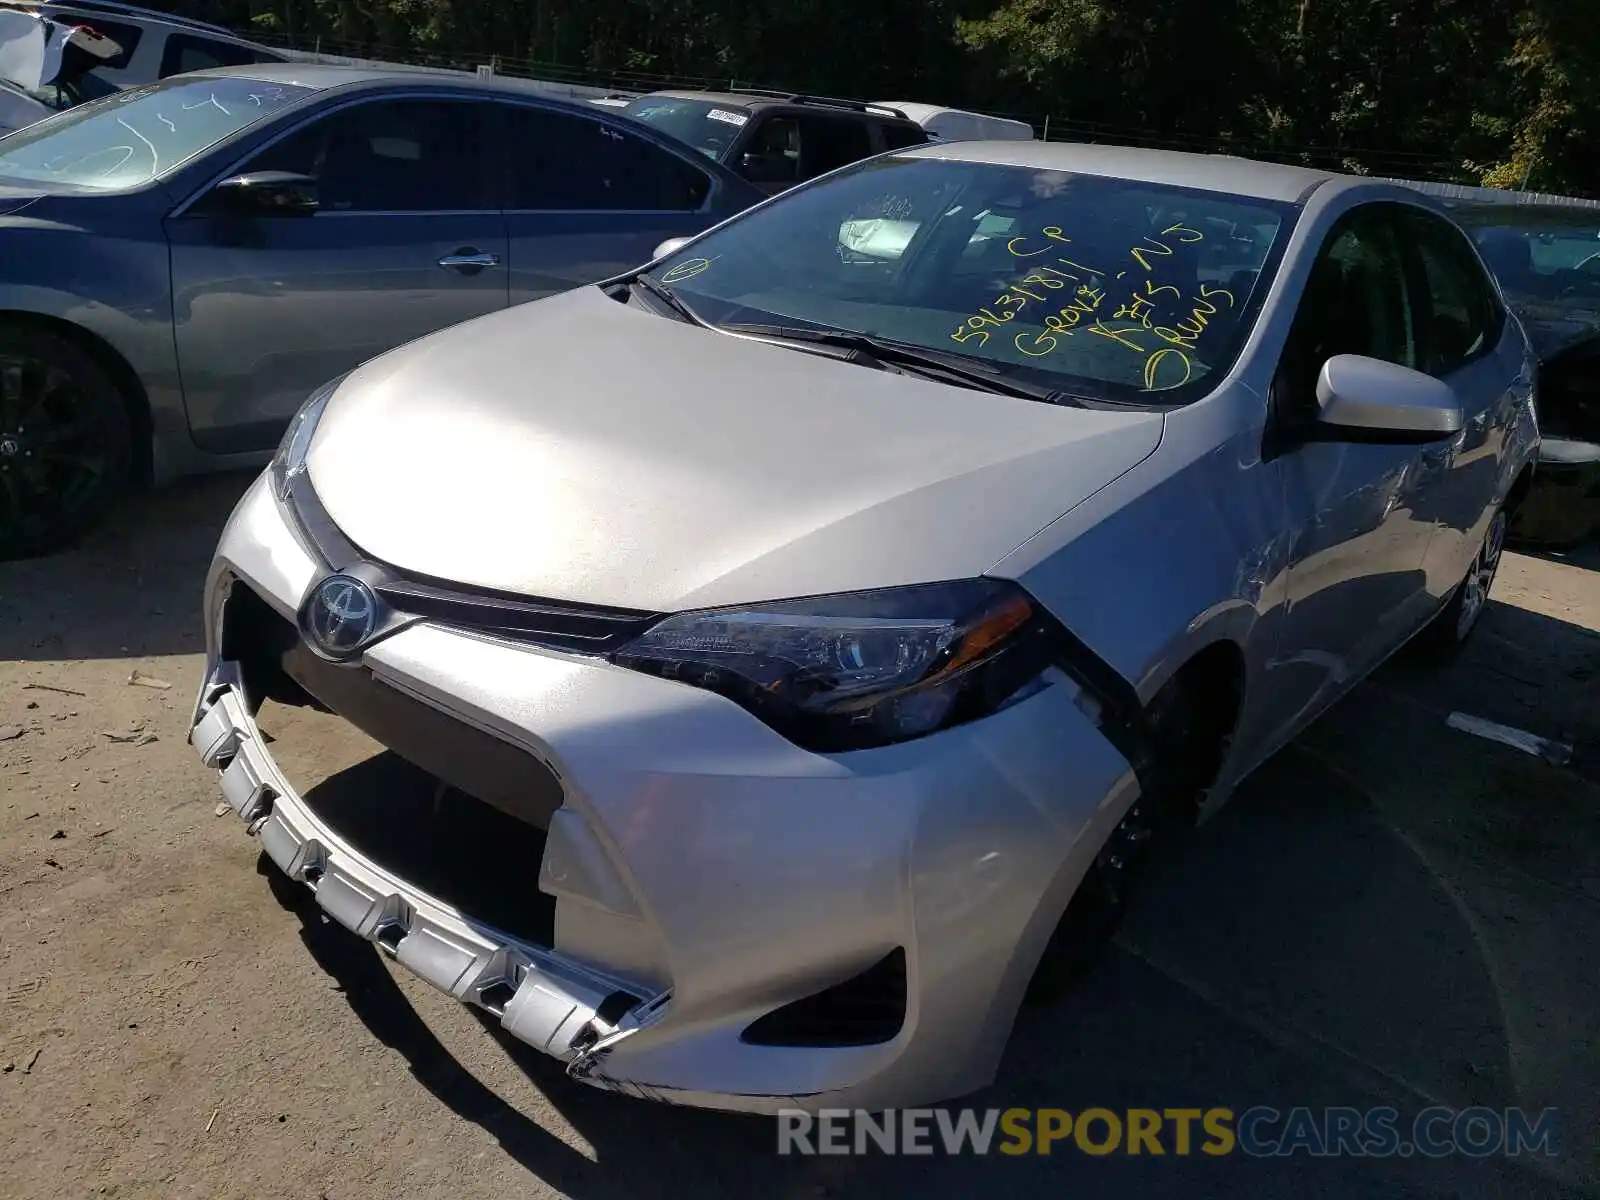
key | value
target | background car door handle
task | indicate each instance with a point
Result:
(469, 260)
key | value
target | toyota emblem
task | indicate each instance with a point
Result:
(340, 616)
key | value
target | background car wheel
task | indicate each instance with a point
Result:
(66, 442)
(1449, 630)
(1190, 739)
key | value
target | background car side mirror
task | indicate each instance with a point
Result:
(670, 246)
(1369, 400)
(267, 194)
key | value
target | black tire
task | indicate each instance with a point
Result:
(66, 442)
(1186, 754)
(1444, 636)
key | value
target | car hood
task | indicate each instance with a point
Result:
(14, 197)
(581, 449)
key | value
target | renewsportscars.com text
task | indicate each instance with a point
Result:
(1257, 1132)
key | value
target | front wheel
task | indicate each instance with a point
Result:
(1451, 628)
(1188, 738)
(66, 442)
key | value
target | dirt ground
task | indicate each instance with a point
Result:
(1391, 912)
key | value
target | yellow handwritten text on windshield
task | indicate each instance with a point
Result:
(1157, 320)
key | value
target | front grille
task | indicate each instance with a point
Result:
(449, 809)
(277, 665)
(561, 624)
(865, 1010)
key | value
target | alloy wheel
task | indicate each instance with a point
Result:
(1116, 867)
(1479, 580)
(53, 456)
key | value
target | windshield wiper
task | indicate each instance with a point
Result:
(668, 297)
(936, 363)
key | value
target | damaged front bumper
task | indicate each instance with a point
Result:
(554, 1006)
(707, 875)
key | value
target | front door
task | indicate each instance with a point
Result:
(1464, 345)
(588, 199)
(1355, 577)
(407, 238)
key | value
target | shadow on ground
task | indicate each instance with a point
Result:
(131, 589)
(1382, 917)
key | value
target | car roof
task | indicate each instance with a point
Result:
(323, 76)
(1206, 172)
(750, 101)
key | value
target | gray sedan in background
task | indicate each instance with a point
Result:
(254, 232)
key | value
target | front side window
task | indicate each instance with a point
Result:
(707, 126)
(391, 156)
(1462, 315)
(1355, 302)
(563, 162)
(132, 138)
(1104, 288)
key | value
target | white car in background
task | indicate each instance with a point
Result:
(18, 109)
(958, 125)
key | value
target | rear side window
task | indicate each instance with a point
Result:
(563, 162)
(184, 53)
(898, 137)
(830, 142)
(1459, 317)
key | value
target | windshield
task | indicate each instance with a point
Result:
(1102, 288)
(133, 137)
(80, 89)
(709, 128)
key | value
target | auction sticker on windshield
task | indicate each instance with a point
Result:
(730, 118)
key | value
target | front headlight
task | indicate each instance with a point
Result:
(289, 463)
(862, 669)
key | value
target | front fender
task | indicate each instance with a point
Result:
(112, 282)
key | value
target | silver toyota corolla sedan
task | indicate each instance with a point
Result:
(821, 624)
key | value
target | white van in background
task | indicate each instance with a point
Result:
(958, 125)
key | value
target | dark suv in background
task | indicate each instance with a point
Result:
(774, 139)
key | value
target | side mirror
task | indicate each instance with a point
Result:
(267, 194)
(670, 246)
(1369, 400)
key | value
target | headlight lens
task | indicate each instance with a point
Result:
(290, 461)
(861, 669)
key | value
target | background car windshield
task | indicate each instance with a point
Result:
(128, 139)
(1539, 260)
(1107, 288)
(709, 128)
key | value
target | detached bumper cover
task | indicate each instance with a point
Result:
(556, 1007)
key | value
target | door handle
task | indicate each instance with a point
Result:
(469, 260)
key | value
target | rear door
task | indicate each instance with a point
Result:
(587, 198)
(408, 238)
